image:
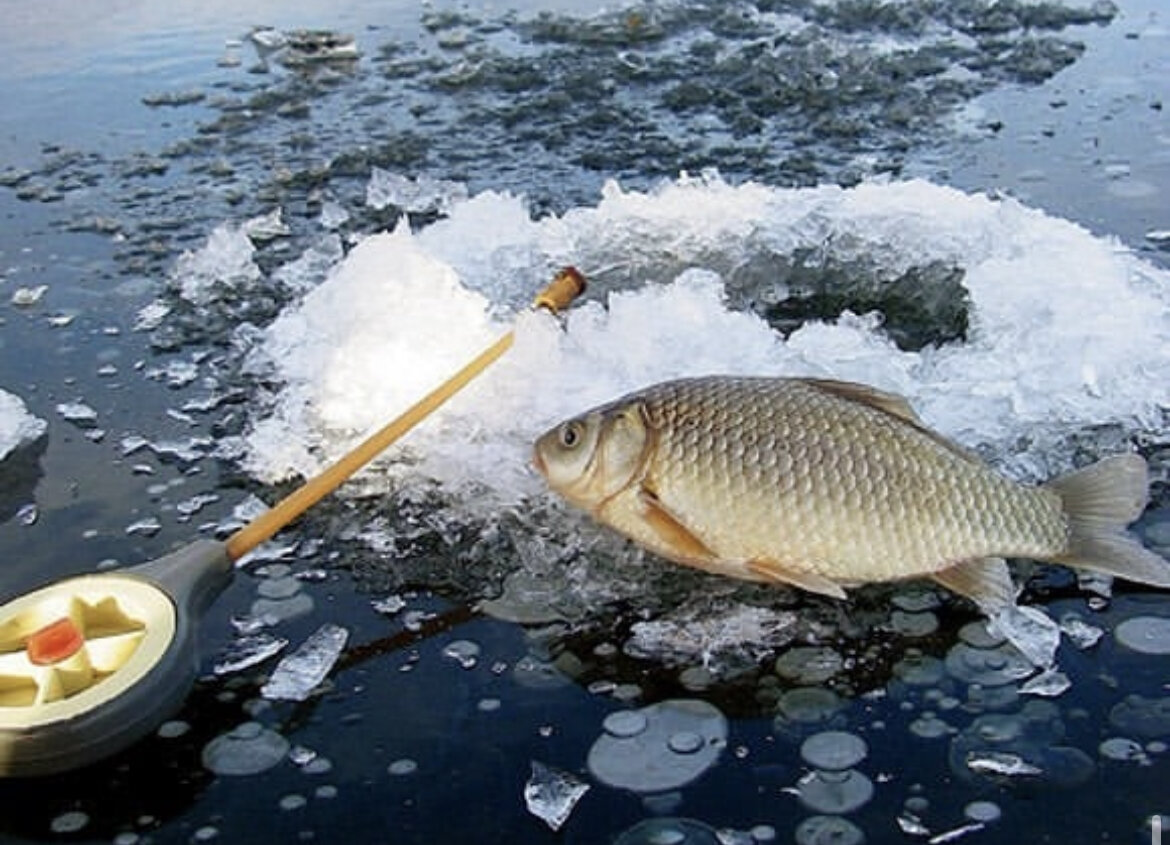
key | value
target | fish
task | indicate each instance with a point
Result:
(826, 485)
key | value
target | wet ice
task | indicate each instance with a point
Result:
(551, 794)
(297, 676)
(18, 427)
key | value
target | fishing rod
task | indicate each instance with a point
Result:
(91, 664)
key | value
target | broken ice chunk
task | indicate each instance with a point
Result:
(298, 674)
(418, 196)
(551, 794)
(248, 651)
(1000, 763)
(25, 297)
(17, 426)
(1081, 634)
(267, 227)
(1049, 683)
(77, 413)
(1031, 631)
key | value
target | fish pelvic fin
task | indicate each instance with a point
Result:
(768, 570)
(1099, 502)
(986, 581)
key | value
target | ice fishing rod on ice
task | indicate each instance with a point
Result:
(91, 664)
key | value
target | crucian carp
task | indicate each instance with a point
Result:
(825, 484)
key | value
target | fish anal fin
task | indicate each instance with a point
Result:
(677, 541)
(768, 570)
(986, 581)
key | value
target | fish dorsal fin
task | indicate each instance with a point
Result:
(889, 403)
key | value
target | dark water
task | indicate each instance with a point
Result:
(124, 142)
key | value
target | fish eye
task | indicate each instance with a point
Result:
(570, 434)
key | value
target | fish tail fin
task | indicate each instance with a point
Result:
(1099, 502)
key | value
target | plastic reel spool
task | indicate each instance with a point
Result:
(90, 664)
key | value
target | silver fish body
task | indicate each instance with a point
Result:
(824, 484)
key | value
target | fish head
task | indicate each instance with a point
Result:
(590, 458)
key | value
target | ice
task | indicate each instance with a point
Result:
(77, 413)
(28, 296)
(18, 427)
(421, 195)
(267, 227)
(248, 651)
(717, 636)
(1068, 331)
(223, 265)
(1000, 763)
(1080, 633)
(1049, 683)
(300, 673)
(1031, 631)
(551, 794)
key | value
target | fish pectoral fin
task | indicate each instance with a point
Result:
(770, 570)
(677, 540)
(986, 581)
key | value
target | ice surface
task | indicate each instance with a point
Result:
(299, 674)
(17, 426)
(551, 794)
(1068, 331)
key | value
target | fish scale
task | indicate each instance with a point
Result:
(824, 479)
(823, 483)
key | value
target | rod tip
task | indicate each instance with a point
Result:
(566, 286)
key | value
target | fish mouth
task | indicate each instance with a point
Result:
(538, 462)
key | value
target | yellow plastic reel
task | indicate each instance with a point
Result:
(126, 624)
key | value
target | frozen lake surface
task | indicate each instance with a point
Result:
(230, 250)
